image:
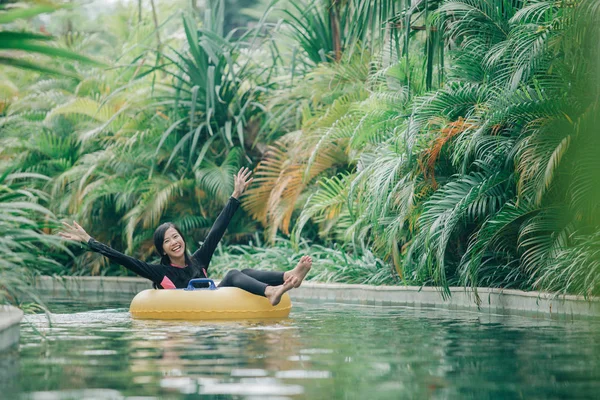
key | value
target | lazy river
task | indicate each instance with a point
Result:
(322, 351)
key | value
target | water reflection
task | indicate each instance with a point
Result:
(216, 357)
(9, 369)
(321, 351)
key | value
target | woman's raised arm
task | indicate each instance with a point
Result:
(76, 233)
(204, 253)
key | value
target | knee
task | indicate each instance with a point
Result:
(230, 276)
(246, 271)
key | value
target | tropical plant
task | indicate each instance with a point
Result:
(326, 29)
(61, 127)
(484, 176)
(282, 175)
(23, 242)
(332, 264)
(488, 179)
(168, 150)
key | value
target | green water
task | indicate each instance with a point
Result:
(323, 351)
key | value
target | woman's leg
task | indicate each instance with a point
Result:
(235, 278)
(277, 278)
(272, 278)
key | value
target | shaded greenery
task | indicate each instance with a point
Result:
(23, 243)
(452, 140)
(473, 183)
(330, 265)
(17, 47)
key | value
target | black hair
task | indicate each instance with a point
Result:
(159, 238)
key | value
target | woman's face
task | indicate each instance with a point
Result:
(173, 244)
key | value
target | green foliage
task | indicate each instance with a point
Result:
(331, 265)
(486, 175)
(214, 92)
(486, 180)
(130, 148)
(22, 240)
(15, 44)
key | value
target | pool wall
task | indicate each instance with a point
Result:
(501, 301)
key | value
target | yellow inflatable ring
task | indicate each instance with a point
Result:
(205, 304)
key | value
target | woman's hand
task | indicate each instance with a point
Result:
(241, 182)
(74, 232)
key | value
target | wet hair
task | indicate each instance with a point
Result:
(159, 238)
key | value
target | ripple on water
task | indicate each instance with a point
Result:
(316, 351)
(299, 358)
(97, 394)
(303, 374)
(271, 328)
(98, 352)
(184, 385)
(249, 372)
(252, 389)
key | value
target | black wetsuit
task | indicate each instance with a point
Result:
(171, 277)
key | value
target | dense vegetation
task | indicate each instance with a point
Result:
(436, 142)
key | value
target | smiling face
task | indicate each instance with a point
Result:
(173, 244)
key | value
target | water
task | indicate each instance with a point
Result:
(323, 351)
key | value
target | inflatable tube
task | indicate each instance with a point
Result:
(205, 304)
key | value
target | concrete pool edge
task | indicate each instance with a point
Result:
(10, 320)
(503, 301)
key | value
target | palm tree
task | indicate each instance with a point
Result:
(488, 179)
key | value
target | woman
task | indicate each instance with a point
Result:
(176, 267)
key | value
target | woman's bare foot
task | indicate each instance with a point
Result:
(274, 293)
(300, 270)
